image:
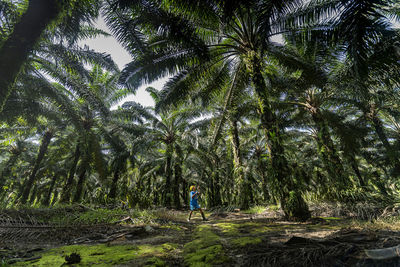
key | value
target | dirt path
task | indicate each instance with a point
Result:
(233, 239)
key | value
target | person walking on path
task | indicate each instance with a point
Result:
(194, 195)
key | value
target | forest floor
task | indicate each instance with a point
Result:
(164, 238)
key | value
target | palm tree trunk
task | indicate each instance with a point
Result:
(46, 200)
(42, 150)
(185, 190)
(329, 154)
(235, 143)
(250, 183)
(261, 171)
(113, 190)
(211, 190)
(381, 133)
(79, 185)
(66, 193)
(217, 189)
(156, 195)
(33, 194)
(168, 175)
(15, 50)
(84, 165)
(177, 182)
(356, 170)
(230, 183)
(239, 172)
(54, 198)
(291, 200)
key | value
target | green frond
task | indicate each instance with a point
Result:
(76, 14)
(89, 32)
(306, 14)
(207, 12)
(154, 93)
(227, 105)
(175, 90)
(124, 29)
(310, 72)
(137, 110)
(151, 67)
(213, 81)
(76, 85)
(117, 96)
(75, 57)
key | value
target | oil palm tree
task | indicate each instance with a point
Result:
(26, 32)
(353, 25)
(237, 48)
(169, 129)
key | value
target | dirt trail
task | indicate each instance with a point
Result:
(233, 239)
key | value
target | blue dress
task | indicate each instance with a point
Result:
(193, 201)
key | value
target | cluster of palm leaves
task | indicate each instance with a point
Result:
(267, 101)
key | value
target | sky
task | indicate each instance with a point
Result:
(121, 57)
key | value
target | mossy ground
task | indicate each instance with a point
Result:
(205, 249)
(174, 242)
(105, 255)
(245, 241)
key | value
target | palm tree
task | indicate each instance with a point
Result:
(237, 48)
(169, 129)
(353, 25)
(65, 64)
(236, 109)
(16, 48)
(28, 29)
(48, 134)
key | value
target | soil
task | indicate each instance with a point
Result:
(228, 238)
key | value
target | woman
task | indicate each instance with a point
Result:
(194, 195)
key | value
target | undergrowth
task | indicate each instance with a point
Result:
(255, 210)
(81, 215)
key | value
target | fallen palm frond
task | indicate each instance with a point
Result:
(15, 228)
(363, 210)
(54, 225)
(347, 247)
